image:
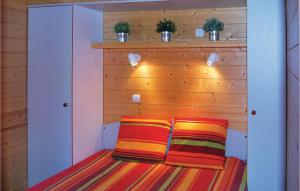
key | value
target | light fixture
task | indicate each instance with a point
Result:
(212, 59)
(134, 59)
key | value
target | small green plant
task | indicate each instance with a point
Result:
(213, 24)
(122, 27)
(166, 25)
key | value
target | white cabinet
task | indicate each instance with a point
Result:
(266, 95)
(65, 80)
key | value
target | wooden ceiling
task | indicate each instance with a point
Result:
(133, 5)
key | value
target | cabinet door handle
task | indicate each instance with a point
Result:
(66, 104)
(253, 112)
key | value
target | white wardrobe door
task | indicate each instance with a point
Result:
(49, 87)
(87, 83)
(266, 94)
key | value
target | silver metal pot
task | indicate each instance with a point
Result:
(166, 36)
(122, 37)
(214, 35)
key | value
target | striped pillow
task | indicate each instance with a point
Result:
(198, 142)
(142, 139)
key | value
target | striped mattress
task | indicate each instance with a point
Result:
(102, 172)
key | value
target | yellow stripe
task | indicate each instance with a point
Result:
(143, 141)
(147, 124)
(200, 127)
(149, 178)
(146, 120)
(132, 145)
(220, 178)
(218, 182)
(117, 177)
(188, 179)
(95, 178)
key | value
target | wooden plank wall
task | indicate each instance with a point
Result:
(13, 95)
(143, 24)
(177, 82)
(292, 9)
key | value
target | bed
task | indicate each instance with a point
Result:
(102, 172)
(157, 154)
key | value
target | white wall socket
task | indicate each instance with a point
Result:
(199, 32)
(136, 98)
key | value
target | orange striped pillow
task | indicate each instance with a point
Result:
(142, 139)
(198, 142)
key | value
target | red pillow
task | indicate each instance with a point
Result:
(198, 142)
(142, 139)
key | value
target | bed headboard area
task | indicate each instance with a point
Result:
(236, 142)
(177, 81)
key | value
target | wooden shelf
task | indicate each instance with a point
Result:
(173, 44)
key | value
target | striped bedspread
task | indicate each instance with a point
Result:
(102, 172)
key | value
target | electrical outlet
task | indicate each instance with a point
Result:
(199, 33)
(136, 98)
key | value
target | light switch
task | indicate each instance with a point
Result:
(136, 98)
(199, 33)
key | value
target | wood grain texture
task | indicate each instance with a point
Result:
(143, 24)
(293, 140)
(172, 44)
(13, 95)
(177, 82)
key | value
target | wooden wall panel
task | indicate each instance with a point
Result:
(143, 24)
(177, 82)
(13, 95)
(293, 141)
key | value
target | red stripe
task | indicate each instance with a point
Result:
(161, 180)
(197, 149)
(199, 134)
(129, 153)
(131, 177)
(188, 161)
(238, 175)
(222, 122)
(144, 133)
(203, 180)
(52, 180)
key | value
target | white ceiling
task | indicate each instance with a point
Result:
(136, 5)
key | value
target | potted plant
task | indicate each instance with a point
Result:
(122, 29)
(166, 28)
(213, 26)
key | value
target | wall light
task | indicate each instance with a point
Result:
(212, 59)
(134, 59)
